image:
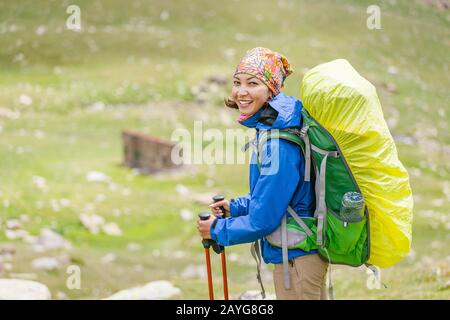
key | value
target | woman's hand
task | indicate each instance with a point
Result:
(204, 227)
(215, 208)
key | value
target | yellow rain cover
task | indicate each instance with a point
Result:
(347, 105)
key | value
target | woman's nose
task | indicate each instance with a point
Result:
(242, 92)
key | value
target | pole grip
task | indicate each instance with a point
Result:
(207, 243)
(217, 199)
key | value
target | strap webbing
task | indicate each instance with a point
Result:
(248, 144)
(376, 273)
(304, 136)
(284, 248)
(334, 154)
(330, 282)
(321, 206)
(256, 253)
(300, 221)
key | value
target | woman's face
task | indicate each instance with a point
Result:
(249, 93)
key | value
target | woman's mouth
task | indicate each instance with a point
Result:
(245, 103)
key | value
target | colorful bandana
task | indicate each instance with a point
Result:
(269, 66)
(243, 117)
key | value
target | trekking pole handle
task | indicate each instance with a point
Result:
(217, 199)
(210, 242)
(204, 215)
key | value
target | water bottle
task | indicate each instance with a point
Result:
(352, 208)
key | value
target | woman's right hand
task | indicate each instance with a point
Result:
(215, 208)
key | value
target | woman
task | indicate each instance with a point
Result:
(256, 92)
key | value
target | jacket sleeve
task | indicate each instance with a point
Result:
(279, 178)
(239, 206)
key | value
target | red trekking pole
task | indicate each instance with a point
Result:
(207, 243)
(222, 255)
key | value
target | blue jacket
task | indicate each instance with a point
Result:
(259, 213)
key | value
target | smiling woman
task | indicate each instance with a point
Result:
(249, 94)
(258, 77)
(256, 92)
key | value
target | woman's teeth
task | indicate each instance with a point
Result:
(245, 103)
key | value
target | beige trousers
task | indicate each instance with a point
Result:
(308, 279)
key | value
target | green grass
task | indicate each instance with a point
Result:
(141, 67)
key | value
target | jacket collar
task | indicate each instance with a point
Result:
(288, 109)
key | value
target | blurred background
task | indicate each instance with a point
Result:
(154, 66)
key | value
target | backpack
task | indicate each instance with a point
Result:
(347, 147)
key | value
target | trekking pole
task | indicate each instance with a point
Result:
(222, 254)
(206, 244)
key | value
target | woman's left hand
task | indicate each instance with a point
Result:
(204, 227)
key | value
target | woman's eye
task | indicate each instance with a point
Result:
(236, 83)
(253, 83)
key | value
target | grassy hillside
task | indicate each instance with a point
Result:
(138, 62)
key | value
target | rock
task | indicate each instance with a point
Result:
(50, 240)
(179, 254)
(186, 215)
(255, 295)
(95, 176)
(392, 70)
(16, 234)
(25, 100)
(409, 140)
(7, 266)
(100, 197)
(192, 271)
(6, 257)
(46, 263)
(132, 246)
(108, 258)
(233, 257)
(61, 295)
(18, 289)
(447, 285)
(9, 114)
(24, 276)
(112, 229)
(65, 202)
(40, 30)
(138, 268)
(219, 79)
(96, 107)
(40, 182)
(205, 198)
(209, 183)
(29, 239)
(92, 222)
(156, 253)
(24, 218)
(13, 224)
(182, 190)
(390, 87)
(95, 223)
(211, 87)
(156, 290)
(8, 249)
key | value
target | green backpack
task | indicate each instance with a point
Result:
(338, 239)
(347, 148)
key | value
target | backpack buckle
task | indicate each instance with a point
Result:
(304, 131)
